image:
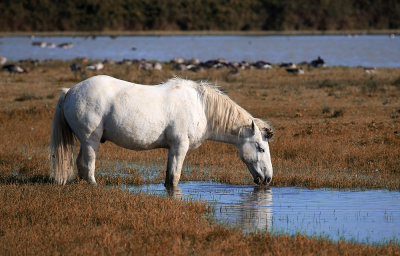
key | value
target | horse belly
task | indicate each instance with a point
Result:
(135, 128)
(135, 137)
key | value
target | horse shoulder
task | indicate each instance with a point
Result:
(187, 114)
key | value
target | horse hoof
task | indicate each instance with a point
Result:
(93, 183)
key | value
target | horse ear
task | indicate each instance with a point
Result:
(248, 130)
(255, 128)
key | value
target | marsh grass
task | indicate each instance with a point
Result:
(358, 147)
(322, 139)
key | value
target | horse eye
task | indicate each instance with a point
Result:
(259, 149)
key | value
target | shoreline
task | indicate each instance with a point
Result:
(204, 33)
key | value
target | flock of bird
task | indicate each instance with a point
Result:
(178, 63)
(42, 44)
(194, 65)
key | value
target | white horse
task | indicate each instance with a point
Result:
(178, 115)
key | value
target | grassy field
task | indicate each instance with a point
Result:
(335, 127)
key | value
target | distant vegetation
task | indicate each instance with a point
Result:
(123, 15)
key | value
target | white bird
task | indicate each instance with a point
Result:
(145, 66)
(157, 66)
(370, 69)
(3, 60)
(95, 66)
(51, 45)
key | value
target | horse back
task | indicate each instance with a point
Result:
(135, 116)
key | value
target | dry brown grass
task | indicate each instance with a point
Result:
(335, 127)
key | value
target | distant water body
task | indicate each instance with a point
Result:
(364, 50)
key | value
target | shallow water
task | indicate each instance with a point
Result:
(371, 216)
(148, 172)
(366, 50)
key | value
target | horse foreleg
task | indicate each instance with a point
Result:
(86, 162)
(176, 156)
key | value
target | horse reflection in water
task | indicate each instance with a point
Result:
(249, 210)
(256, 210)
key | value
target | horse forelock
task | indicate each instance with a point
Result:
(265, 127)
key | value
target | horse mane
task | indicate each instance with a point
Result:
(223, 113)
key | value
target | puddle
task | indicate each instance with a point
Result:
(148, 172)
(370, 217)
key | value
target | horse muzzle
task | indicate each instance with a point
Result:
(260, 181)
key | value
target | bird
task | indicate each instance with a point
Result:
(262, 65)
(319, 62)
(144, 65)
(40, 44)
(178, 60)
(95, 66)
(51, 45)
(287, 65)
(14, 69)
(75, 67)
(298, 71)
(195, 68)
(370, 70)
(194, 61)
(157, 66)
(3, 60)
(234, 72)
(180, 66)
(66, 45)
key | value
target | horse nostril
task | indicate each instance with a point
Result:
(268, 180)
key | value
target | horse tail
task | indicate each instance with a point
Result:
(61, 145)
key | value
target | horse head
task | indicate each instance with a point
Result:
(253, 149)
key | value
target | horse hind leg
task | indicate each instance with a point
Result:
(82, 172)
(86, 162)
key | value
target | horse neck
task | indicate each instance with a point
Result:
(225, 137)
